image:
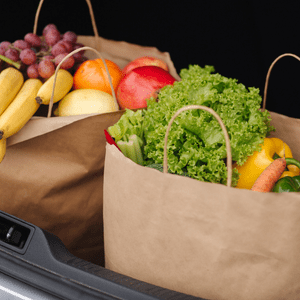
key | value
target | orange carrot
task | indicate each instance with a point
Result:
(267, 179)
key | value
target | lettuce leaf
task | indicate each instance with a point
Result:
(196, 144)
(129, 124)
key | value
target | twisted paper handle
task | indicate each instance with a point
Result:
(90, 10)
(269, 72)
(227, 140)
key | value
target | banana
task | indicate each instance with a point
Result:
(11, 81)
(2, 149)
(21, 109)
(63, 84)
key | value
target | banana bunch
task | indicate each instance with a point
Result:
(20, 100)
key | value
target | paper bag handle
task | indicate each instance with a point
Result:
(66, 57)
(227, 140)
(91, 15)
(269, 72)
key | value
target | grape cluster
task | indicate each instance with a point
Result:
(37, 57)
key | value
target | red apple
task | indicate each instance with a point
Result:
(145, 61)
(140, 84)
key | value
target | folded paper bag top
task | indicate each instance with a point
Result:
(41, 125)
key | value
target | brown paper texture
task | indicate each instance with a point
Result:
(55, 181)
(202, 239)
(41, 125)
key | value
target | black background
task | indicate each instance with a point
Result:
(239, 38)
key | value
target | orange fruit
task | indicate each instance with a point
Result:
(91, 74)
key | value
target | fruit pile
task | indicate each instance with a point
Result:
(81, 85)
(139, 80)
(37, 56)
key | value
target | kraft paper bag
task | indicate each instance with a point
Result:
(203, 239)
(52, 173)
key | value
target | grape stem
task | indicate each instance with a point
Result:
(11, 62)
(43, 53)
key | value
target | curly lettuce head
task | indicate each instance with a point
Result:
(196, 143)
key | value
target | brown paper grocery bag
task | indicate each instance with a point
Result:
(199, 238)
(52, 173)
(203, 239)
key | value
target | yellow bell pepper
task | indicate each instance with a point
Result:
(256, 163)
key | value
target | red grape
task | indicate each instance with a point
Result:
(12, 54)
(46, 68)
(33, 39)
(67, 64)
(5, 45)
(70, 36)
(52, 37)
(68, 45)
(79, 45)
(39, 56)
(28, 56)
(32, 71)
(58, 48)
(48, 27)
(78, 56)
(21, 44)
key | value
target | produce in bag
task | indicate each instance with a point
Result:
(197, 146)
(92, 74)
(22, 108)
(38, 56)
(140, 84)
(271, 149)
(86, 101)
(287, 184)
(270, 175)
(11, 81)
